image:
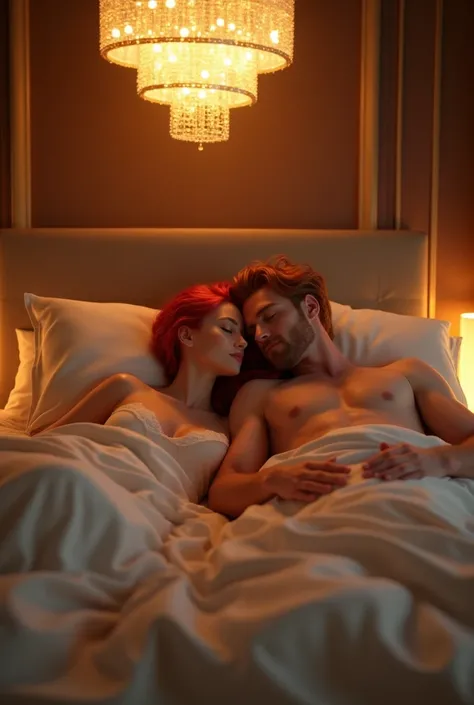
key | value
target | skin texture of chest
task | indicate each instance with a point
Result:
(378, 390)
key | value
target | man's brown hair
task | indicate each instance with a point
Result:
(293, 281)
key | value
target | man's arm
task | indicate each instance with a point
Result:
(240, 482)
(445, 417)
(97, 405)
(237, 484)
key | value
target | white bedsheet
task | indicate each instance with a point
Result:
(10, 424)
(115, 588)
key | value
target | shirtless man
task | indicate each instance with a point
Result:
(287, 310)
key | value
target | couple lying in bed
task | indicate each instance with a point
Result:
(268, 335)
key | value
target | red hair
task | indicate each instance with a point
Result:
(188, 308)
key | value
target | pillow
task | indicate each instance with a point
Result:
(79, 343)
(455, 349)
(18, 405)
(369, 337)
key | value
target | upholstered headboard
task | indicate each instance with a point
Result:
(382, 269)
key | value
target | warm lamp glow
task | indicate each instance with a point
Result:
(210, 48)
(466, 364)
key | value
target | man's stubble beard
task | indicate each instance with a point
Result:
(291, 351)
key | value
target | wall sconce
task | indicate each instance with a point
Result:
(466, 364)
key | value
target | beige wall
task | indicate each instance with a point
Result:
(103, 157)
(455, 272)
(438, 173)
(5, 215)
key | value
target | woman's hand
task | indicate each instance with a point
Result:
(406, 462)
(305, 481)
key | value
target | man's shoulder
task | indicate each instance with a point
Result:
(252, 397)
(250, 401)
(257, 388)
(410, 364)
(418, 372)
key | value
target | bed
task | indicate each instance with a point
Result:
(117, 585)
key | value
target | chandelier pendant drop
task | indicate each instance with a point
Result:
(200, 57)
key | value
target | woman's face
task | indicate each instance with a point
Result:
(218, 345)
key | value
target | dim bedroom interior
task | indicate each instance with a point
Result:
(119, 585)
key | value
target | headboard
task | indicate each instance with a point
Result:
(382, 269)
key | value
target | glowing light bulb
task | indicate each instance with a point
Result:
(203, 55)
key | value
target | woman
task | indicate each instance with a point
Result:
(197, 337)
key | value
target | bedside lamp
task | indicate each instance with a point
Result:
(466, 365)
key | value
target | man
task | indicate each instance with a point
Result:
(286, 308)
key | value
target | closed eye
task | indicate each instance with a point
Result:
(228, 330)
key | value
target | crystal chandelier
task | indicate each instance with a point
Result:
(200, 57)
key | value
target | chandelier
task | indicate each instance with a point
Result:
(200, 57)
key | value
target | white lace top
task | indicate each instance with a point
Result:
(199, 453)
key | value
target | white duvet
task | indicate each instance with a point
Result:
(115, 588)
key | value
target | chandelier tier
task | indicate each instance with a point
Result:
(200, 57)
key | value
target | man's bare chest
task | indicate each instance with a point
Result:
(368, 389)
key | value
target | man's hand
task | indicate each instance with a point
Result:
(406, 462)
(307, 481)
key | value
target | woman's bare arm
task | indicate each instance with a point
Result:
(97, 405)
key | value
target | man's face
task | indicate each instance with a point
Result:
(281, 331)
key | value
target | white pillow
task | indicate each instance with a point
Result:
(79, 343)
(369, 337)
(455, 349)
(17, 408)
